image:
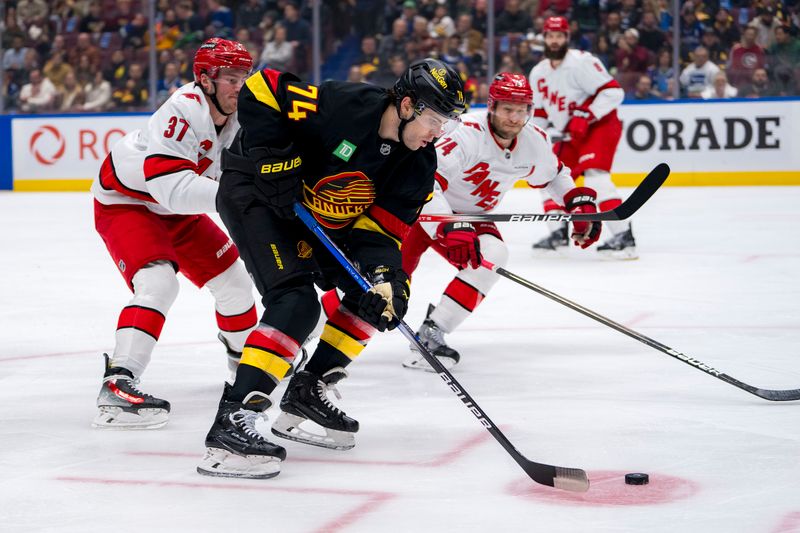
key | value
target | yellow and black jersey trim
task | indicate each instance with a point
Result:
(381, 221)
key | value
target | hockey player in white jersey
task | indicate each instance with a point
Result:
(477, 164)
(151, 196)
(576, 99)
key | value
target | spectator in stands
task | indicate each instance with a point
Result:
(94, 22)
(168, 84)
(278, 52)
(220, 17)
(603, 52)
(643, 90)
(394, 44)
(407, 15)
(611, 31)
(14, 57)
(369, 61)
(691, 31)
(56, 69)
(134, 93)
(441, 25)
(577, 39)
(479, 16)
(726, 30)
(184, 62)
(97, 94)
(121, 17)
(168, 31)
(720, 88)
(699, 74)
(650, 36)
(84, 47)
(117, 70)
(298, 31)
(367, 16)
(765, 24)
(661, 73)
(746, 57)
(250, 13)
(38, 95)
(133, 33)
(355, 75)
(191, 24)
(32, 12)
(397, 66)
(426, 45)
(526, 59)
(84, 71)
(631, 59)
(512, 20)
(785, 50)
(70, 95)
(759, 85)
(716, 53)
(12, 29)
(451, 51)
(629, 15)
(471, 39)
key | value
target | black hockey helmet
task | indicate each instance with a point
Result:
(434, 85)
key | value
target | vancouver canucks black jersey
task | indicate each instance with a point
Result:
(365, 190)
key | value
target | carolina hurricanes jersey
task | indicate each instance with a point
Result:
(474, 172)
(173, 165)
(580, 80)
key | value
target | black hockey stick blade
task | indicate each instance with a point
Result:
(766, 394)
(649, 185)
(571, 479)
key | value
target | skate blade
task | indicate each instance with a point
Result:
(419, 363)
(287, 426)
(627, 254)
(222, 463)
(110, 417)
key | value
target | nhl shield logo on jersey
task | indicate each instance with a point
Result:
(336, 200)
(303, 250)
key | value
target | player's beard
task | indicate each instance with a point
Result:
(557, 54)
(504, 133)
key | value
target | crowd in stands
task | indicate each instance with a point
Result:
(93, 55)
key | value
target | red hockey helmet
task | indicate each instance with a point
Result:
(217, 53)
(508, 87)
(556, 24)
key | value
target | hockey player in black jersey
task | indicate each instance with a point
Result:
(361, 160)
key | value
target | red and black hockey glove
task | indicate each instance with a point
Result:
(578, 125)
(279, 179)
(581, 200)
(387, 299)
(461, 244)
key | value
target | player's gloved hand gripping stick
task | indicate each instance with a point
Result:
(572, 479)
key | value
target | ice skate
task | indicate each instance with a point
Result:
(553, 244)
(234, 447)
(620, 246)
(122, 406)
(306, 401)
(432, 337)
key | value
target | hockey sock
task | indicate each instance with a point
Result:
(235, 308)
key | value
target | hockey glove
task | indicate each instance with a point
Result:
(387, 299)
(581, 200)
(578, 125)
(278, 179)
(461, 244)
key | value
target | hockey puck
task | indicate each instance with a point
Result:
(637, 479)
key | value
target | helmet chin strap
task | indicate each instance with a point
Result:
(213, 98)
(403, 121)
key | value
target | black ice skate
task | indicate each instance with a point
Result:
(554, 243)
(620, 246)
(122, 406)
(306, 400)
(432, 337)
(234, 447)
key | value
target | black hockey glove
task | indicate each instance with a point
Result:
(279, 179)
(387, 299)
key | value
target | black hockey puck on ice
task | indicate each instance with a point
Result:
(637, 479)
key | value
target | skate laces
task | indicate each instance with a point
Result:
(128, 385)
(435, 334)
(322, 392)
(245, 419)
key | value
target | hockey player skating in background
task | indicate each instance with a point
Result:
(576, 96)
(361, 159)
(477, 164)
(151, 196)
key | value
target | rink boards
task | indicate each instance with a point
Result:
(712, 142)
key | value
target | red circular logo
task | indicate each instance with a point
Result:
(47, 145)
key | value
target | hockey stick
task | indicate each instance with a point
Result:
(767, 394)
(571, 479)
(638, 197)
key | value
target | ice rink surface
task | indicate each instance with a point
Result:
(717, 279)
